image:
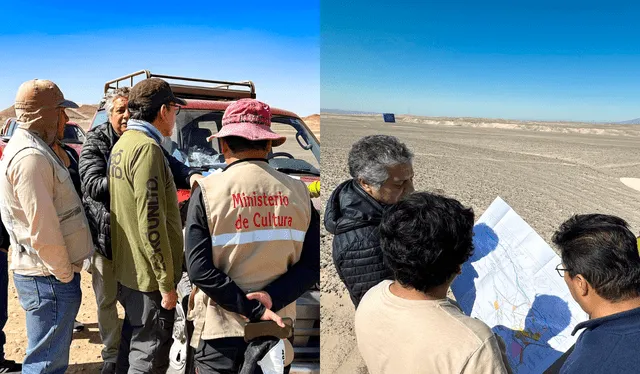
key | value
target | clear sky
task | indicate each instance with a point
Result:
(549, 60)
(82, 44)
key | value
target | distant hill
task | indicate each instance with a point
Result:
(341, 111)
(88, 110)
(313, 121)
(631, 122)
(7, 113)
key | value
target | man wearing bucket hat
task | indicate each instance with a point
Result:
(252, 241)
(47, 226)
(146, 229)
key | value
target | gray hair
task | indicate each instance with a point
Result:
(370, 157)
(111, 96)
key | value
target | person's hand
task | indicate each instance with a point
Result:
(263, 297)
(269, 315)
(194, 178)
(169, 299)
(86, 265)
(4, 250)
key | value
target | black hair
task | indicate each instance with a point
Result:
(425, 238)
(146, 112)
(240, 144)
(604, 251)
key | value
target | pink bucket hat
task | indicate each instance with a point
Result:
(249, 119)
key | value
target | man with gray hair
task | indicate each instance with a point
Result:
(382, 173)
(95, 197)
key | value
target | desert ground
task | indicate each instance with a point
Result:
(545, 171)
(86, 346)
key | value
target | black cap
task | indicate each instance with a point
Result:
(152, 91)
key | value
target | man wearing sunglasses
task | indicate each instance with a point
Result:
(601, 266)
(146, 229)
(93, 172)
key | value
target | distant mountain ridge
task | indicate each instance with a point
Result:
(341, 111)
(635, 121)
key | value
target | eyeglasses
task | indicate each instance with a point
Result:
(561, 270)
(177, 106)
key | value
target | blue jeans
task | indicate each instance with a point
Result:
(51, 308)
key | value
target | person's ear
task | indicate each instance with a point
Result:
(223, 146)
(164, 110)
(582, 286)
(368, 188)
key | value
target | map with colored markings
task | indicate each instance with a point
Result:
(511, 284)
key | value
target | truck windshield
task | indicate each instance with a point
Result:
(189, 143)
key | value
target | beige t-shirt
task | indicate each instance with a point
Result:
(396, 335)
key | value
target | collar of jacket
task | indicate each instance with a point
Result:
(244, 160)
(112, 133)
(45, 147)
(356, 185)
(147, 128)
(629, 317)
(350, 207)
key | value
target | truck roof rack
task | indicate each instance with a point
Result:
(207, 89)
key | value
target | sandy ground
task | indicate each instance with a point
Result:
(86, 346)
(545, 171)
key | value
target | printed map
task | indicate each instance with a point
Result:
(511, 284)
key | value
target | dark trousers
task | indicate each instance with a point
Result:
(146, 333)
(221, 356)
(4, 289)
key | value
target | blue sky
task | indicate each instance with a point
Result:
(523, 60)
(84, 44)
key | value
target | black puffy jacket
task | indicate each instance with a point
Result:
(95, 193)
(5, 242)
(353, 216)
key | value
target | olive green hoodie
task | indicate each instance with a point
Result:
(146, 229)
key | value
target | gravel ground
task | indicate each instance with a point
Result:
(545, 171)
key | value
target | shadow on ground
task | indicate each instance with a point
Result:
(90, 333)
(91, 367)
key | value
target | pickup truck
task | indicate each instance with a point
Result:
(298, 157)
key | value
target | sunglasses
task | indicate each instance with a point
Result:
(177, 106)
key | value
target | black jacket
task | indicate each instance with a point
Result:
(95, 193)
(353, 216)
(74, 171)
(5, 242)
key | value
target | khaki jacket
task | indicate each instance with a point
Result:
(258, 218)
(41, 210)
